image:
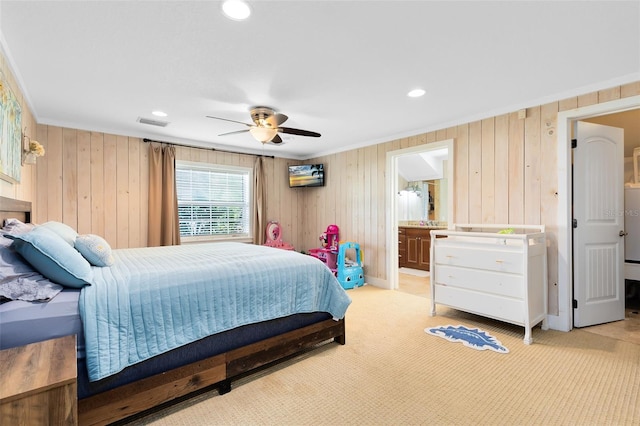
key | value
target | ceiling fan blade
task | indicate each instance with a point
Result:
(276, 140)
(298, 132)
(226, 119)
(276, 119)
(233, 133)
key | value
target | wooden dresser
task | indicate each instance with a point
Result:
(38, 383)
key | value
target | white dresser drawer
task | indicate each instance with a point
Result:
(480, 280)
(487, 258)
(497, 307)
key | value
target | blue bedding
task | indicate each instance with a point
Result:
(155, 299)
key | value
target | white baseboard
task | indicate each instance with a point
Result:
(377, 282)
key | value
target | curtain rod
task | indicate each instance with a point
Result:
(212, 149)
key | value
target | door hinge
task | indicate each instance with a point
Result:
(574, 223)
(574, 143)
(575, 304)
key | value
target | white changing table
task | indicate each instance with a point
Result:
(501, 276)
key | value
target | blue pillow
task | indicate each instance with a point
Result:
(95, 249)
(66, 232)
(50, 255)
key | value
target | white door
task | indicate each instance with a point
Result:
(598, 212)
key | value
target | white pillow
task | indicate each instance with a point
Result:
(95, 249)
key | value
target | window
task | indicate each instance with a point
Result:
(213, 201)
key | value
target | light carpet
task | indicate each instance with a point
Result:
(390, 372)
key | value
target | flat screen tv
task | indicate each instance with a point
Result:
(306, 175)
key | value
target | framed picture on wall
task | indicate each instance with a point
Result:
(11, 134)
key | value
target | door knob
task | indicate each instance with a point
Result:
(622, 233)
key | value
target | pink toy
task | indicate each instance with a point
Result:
(274, 237)
(323, 240)
(333, 239)
(329, 240)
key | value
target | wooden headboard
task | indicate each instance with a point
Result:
(18, 209)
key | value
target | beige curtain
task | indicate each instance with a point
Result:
(259, 200)
(164, 227)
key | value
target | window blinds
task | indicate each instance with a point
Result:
(213, 200)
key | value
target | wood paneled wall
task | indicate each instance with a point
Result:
(505, 171)
(94, 182)
(98, 183)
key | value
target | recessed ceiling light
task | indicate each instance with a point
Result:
(159, 113)
(416, 93)
(237, 10)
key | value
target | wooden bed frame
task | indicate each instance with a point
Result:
(220, 370)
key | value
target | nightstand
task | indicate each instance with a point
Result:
(38, 383)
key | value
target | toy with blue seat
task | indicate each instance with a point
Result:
(350, 272)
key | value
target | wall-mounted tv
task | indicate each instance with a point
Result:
(306, 175)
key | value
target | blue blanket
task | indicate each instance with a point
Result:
(155, 299)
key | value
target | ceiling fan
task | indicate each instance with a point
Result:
(267, 126)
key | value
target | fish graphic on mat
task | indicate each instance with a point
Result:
(470, 337)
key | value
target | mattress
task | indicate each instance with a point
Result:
(156, 299)
(22, 323)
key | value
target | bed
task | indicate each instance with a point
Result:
(187, 343)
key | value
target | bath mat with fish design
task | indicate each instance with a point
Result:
(470, 337)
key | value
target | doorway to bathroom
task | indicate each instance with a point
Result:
(412, 168)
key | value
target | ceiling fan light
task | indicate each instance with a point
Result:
(263, 134)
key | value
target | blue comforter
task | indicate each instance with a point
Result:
(155, 299)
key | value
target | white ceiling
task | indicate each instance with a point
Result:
(426, 165)
(340, 68)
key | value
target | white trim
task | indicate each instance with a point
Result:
(392, 208)
(564, 320)
(632, 271)
(376, 282)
